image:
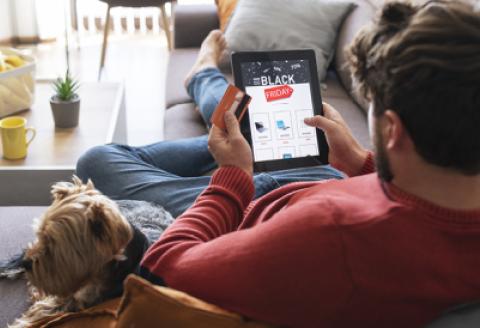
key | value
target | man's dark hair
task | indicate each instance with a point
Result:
(423, 62)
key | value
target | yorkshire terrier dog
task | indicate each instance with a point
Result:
(86, 245)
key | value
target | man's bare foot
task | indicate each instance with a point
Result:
(210, 54)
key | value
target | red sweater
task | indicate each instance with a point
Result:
(343, 253)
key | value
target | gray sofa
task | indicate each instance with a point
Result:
(192, 24)
(15, 233)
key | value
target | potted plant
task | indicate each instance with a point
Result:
(65, 102)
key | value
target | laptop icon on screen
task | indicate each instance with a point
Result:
(260, 127)
(281, 125)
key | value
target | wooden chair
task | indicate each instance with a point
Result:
(135, 4)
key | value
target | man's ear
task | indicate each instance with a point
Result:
(394, 131)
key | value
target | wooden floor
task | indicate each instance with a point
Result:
(139, 61)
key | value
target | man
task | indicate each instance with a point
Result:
(389, 250)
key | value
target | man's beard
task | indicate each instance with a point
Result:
(381, 159)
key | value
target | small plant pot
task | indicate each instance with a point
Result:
(65, 113)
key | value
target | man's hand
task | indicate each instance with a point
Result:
(346, 154)
(229, 148)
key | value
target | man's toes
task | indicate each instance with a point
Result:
(215, 34)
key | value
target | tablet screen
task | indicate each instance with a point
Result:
(281, 99)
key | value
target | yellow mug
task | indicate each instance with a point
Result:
(14, 137)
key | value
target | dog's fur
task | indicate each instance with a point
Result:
(86, 244)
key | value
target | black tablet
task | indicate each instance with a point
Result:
(285, 89)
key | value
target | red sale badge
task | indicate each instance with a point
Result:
(277, 93)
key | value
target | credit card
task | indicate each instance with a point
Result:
(234, 100)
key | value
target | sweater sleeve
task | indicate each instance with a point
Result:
(368, 166)
(217, 211)
(266, 272)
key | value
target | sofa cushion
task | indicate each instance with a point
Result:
(192, 24)
(183, 121)
(359, 17)
(356, 119)
(16, 232)
(288, 24)
(145, 305)
(181, 61)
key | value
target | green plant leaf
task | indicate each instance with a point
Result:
(65, 89)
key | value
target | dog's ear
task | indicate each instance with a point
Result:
(78, 183)
(97, 221)
(61, 190)
(109, 227)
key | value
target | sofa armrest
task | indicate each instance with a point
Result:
(193, 23)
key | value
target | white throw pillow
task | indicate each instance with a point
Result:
(262, 25)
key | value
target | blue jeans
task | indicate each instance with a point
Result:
(170, 173)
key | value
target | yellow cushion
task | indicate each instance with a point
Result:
(145, 305)
(225, 11)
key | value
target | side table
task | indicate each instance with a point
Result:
(53, 154)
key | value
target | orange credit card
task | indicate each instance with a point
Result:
(234, 100)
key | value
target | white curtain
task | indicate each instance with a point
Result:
(5, 20)
(32, 19)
